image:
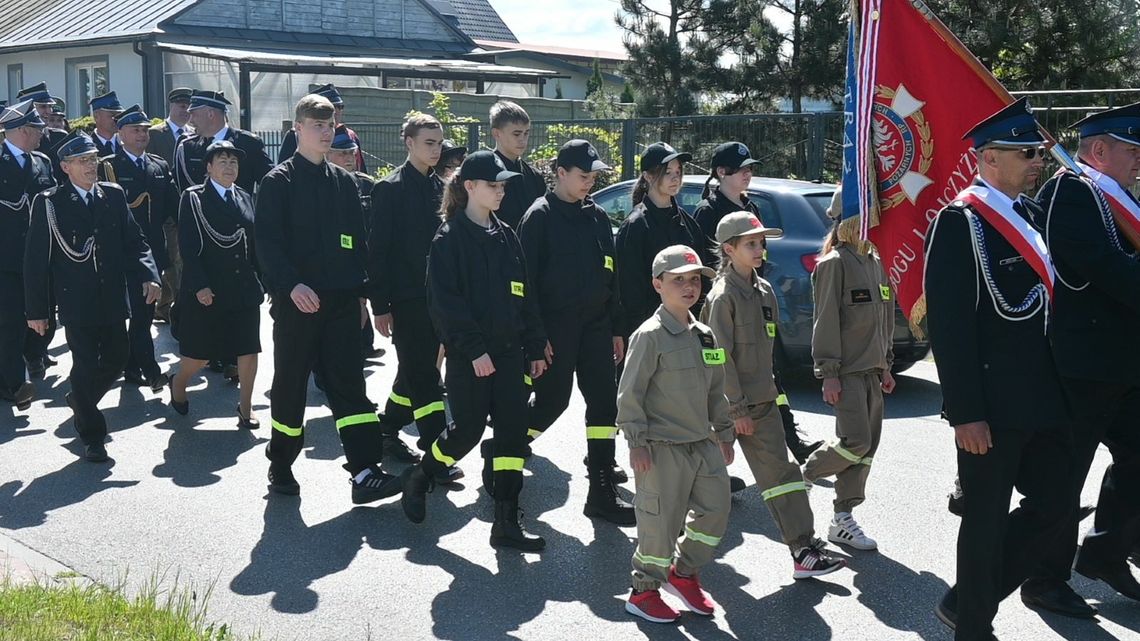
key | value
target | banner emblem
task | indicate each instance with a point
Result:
(904, 147)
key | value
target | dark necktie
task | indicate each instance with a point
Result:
(90, 199)
(230, 197)
(27, 158)
(139, 163)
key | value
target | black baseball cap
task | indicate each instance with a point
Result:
(485, 165)
(662, 153)
(732, 154)
(581, 154)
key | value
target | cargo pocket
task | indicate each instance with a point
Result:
(647, 503)
(679, 370)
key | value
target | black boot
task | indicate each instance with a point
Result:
(796, 445)
(506, 531)
(619, 475)
(416, 486)
(603, 501)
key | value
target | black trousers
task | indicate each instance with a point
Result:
(502, 396)
(582, 341)
(1106, 413)
(98, 354)
(415, 392)
(141, 356)
(13, 330)
(999, 549)
(330, 341)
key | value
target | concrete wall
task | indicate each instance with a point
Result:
(124, 69)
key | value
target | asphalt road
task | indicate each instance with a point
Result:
(185, 500)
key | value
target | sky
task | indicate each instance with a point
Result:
(584, 24)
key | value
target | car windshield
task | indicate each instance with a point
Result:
(819, 203)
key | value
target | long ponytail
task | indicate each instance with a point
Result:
(706, 191)
(641, 189)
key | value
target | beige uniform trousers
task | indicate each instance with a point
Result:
(781, 484)
(686, 480)
(858, 426)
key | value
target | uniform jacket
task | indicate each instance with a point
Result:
(646, 231)
(672, 388)
(742, 313)
(231, 274)
(289, 147)
(310, 229)
(190, 165)
(151, 194)
(521, 191)
(710, 210)
(854, 319)
(94, 291)
(364, 186)
(479, 296)
(162, 141)
(571, 258)
(990, 368)
(1092, 327)
(405, 217)
(51, 139)
(18, 186)
(106, 148)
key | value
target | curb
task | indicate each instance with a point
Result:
(20, 564)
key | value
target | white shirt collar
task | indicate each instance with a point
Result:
(108, 141)
(999, 194)
(222, 133)
(82, 192)
(175, 130)
(134, 158)
(221, 190)
(17, 152)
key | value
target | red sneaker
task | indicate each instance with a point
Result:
(649, 606)
(688, 589)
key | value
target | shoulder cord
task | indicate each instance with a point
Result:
(109, 170)
(1034, 300)
(16, 205)
(1105, 213)
(81, 256)
(224, 241)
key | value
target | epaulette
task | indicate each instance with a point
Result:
(105, 184)
(41, 155)
(107, 158)
(196, 188)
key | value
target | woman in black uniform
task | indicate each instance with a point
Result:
(218, 305)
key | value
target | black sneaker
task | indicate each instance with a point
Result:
(416, 485)
(282, 481)
(95, 453)
(377, 485)
(395, 449)
(814, 561)
(448, 475)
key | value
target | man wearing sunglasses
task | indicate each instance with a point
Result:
(988, 285)
(1096, 310)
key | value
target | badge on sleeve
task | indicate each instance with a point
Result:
(885, 292)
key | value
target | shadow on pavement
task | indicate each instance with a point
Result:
(913, 397)
(74, 483)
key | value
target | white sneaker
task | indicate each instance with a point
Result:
(844, 530)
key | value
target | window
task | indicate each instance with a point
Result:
(86, 79)
(616, 201)
(15, 82)
(769, 213)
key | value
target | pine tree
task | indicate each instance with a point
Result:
(627, 95)
(595, 82)
(558, 90)
(660, 61)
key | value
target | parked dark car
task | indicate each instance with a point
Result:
(798, 208)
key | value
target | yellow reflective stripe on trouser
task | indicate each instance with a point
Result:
(866, 460)
(846, 453)
(356, 419)
(533, 433)
(786, 488)
(440, 456)
(645, 559)
(601, 431)
(700, 537)
(508, 464)
(782, 399)
(285, 429)
(430, 408)
(400, 400)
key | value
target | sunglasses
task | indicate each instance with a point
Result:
(1029, 153)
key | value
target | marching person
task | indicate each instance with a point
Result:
(1095, 311)
(988, 286)
(675, 417)
(85, 246)
(24, 172)
(219, 311)
(164, 139)
(209, 117)
(742, 311)
(311, 247)
(851, 346)
(483, 307)
(104, 109)
(50, 139)
(404, 219)
(149, 188)
(451, 157)
(289, 142)
(568, 243)
(510, 128)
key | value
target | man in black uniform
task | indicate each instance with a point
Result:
(313, 255)
(510, 127)
(104, 109)
(84, 245)
(153, 199)
(24, 172)
(289, 142)
(45, 103)
(405, 217)
(1001, 390)
(1095, 313)
(208, 111)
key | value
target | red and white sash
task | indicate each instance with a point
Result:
(999, 213)
(1117, 198)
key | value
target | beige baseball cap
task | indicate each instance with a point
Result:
(679, 259)
(743, 223)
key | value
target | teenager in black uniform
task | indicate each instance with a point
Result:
(208, 115)
(153, 199)
(510, 128)
(988, 286)
(568, 243)
(219, 309)
(84, 244)
(405, 217)
(312, 251)
(482, 305)
(24, 172)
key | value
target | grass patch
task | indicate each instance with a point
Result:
(48, 610)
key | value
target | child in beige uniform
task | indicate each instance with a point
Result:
(742, 311)
(851, 347)
(672, 410)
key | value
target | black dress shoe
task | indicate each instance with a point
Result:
(230, 373)
(136, 378)
(947, 608)
(245, 423)
(157, 382)
(23, 396)
(182, 407)
(1056, 597)
(95, 453)
(1119, 578)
